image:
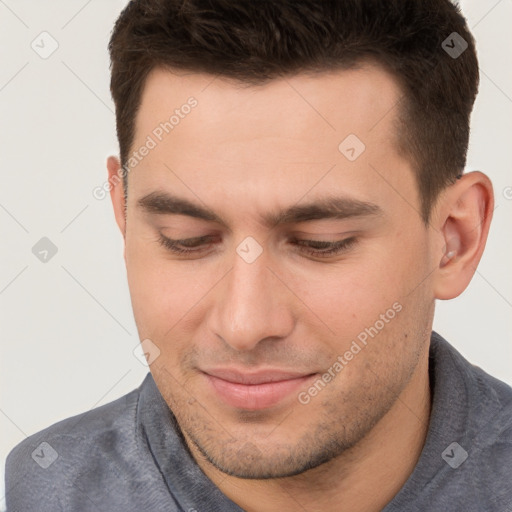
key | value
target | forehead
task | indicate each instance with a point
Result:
(288, 132)
(355, 99)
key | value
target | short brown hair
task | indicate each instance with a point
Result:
(254, 41)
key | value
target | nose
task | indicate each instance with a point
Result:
(250, 305)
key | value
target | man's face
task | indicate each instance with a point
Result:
(253, 303)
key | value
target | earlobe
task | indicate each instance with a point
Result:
(117, 192)
(465, 215)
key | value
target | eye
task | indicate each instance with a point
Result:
(185, 246)
(317, 248)
(321, 248)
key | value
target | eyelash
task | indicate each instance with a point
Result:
(329, 248)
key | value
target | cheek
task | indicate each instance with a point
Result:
(345, 292)
(351, 297)
(162, 292)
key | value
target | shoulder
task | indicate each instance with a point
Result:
(488, 401)
(484, 392)
(484, 409)
(87, 446)
(493, 440)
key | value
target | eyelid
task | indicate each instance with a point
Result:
(333, 236)
(191, 240)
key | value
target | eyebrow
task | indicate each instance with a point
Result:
(330, 207)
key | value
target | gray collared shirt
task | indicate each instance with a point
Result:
(129, 455)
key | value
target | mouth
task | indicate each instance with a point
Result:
(255, 391)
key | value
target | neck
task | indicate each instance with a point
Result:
(364, 478)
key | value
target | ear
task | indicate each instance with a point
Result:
(117, 192)
(463, 217)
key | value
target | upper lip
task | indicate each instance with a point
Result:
(259, 377)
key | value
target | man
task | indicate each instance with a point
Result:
(292, 199)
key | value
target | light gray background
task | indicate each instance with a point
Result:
(67, 328)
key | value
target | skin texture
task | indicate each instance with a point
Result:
(247, 151)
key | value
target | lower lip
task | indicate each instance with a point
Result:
(254, 397)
